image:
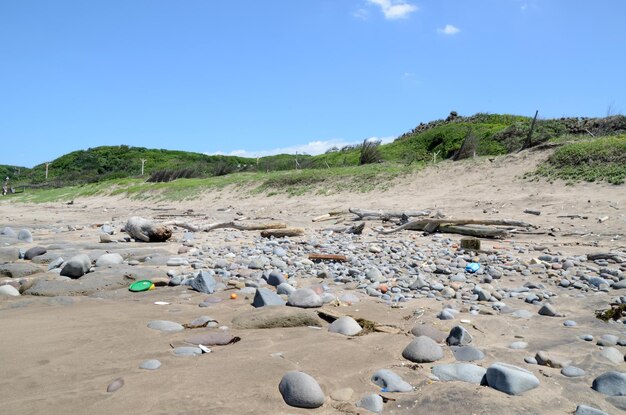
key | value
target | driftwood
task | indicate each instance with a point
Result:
(329, 216)
(354, 229)
(432, 225)
(475, 231)
(328, 257)
(145, 230)
(386, 215)
(609, 255)
(231, 225)
(279, 233)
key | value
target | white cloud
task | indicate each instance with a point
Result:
(361, 14)
(394, 9)
(312, 148)
(449, 30)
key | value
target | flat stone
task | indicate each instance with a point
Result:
(612, 354)
(510, 379)
(109, 259)
(463, 372)
(518, 345)
(608, 340)
(342, 395)
(467, 353)
(176, 262)
(19, 269)
(151, 364)
(345, 325)
(544, 359)
(428, 331)
(301, 390)
(164, 325)
(276, 316)
(86, 285)
(389, 381)
(305, 298)
(422, 350)
(617, 401)
(187, 351)
(371, 402)
(115, 385)
(211, 338)
(572, 372)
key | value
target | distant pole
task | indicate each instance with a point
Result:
(143, 161)
(529, 138)
(47, 164)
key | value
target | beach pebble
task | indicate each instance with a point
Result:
(463, 372)
(115, 385)
(187, 351)
(264, 297)
(275, 278)
(24, 235)
(109, 259)
(608, 340)
(371, 402)
(301, 390)
(422, 350)
(305, 298)
(510, 379)
(285, 289)
(176, 262)
(548, 310)
(588, 410)
(467, 353)
(518, 345)
(572, 372)
(544, 359)
(34, 251)
(164, 325)
(610, 383)
(569, 323)
(612, 354)
(458, 336)
(345, 325)
(9, 291)
(77, 266)
(151, 364)
(587, 337)
(390, 381)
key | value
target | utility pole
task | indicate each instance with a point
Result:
(47, 164)
(143, 161)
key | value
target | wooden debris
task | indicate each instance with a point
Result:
(280, 233)
(608, 255)
(328, 257)
(231, 225)
(470, 244)
(532, 212)
(387, 215)
(145, 230)
(329, 216)
(354, 229)
(458, 226)
(573, 216)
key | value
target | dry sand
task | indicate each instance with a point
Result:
(58, 354)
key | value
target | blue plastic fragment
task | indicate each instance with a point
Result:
(472, 267)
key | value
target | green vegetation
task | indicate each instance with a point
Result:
(602, 158)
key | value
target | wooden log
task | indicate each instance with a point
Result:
(145, 230)
(387, 214)
(354, 229)
(329, 216)
(328, 257)
(427, 224)
(231, 225)
(476, 231)
(280, 233)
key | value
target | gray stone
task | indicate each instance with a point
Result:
(518, 345)
(422, 350)
(510, 379)
(548, 310)
(204, 283)
(610, 383)
(305, 298)
(109, 259)
(19, 269)
(612, 354)
(176, 262)
(86, 285)
(164, 325)
(187, 351)
(544, 359)
(459, 336)
(151, 364)
(24, 235)
(77, 266)
(522, 314)
(115, 385)
(588, 410)
(264, 297)
(608, 340)
(374, 275)
(34, 251)
(275, 278)
(55, 263)
(211, 338)
(371, 402)
(570, 323)
(389, 381)
(301, 390)
(467, 353)
(7, 231)
(285, 289)
(464, 372)
(617, 401)
(572, 372)
(445, 315)
(345, 325)
(9, 254)
(429, 331)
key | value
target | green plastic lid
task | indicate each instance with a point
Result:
(142, 285)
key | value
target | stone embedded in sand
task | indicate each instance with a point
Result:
(285, 289)
(34, 251)
(9, 291)
(342, 395)
(115, 385)
(617, 401)
(109, 259)
(202, 321)
(301, 390)
(204, 283)
(445, 315)
(572, 372)
(8, 231)
(612, 354)
(371, 402)
(275, 278)
(518, 345)
(164, 325)
(176, 262)
(607, 340)
(212, 338)
(610, 383)
(345, 325)
(428, 331)
(187, 351)
(305, 298)
(467, 353)
(24, 235)
(275, 316)
(510, 379)
(548, 310)
(588, 410)
(19, 269)
(77, 266)
(151, 364)
(422, 350)
(544, 359)
(459, 336)
(390, 381)
(463, 372)
(265, 297)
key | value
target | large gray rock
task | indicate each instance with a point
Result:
(77, 266)
(463, 372)
(86, 285)
(19, 269)
(164, 325)
(510, 379)
(390, 381)
(301, 390)
(459, 337)
(24, 235)
(204, 283)
(305, 298)
(371, 402)
(275, 278)
(109, 259)
(276, 316)
(34, 251)
(265, 297)
(422, 350)
(345, 325)
(611, 384)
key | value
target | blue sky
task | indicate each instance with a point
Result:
(257, 76)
